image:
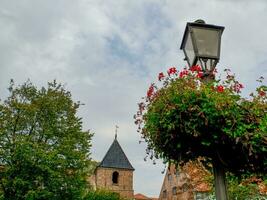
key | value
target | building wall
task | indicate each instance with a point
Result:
(103, 178)
(176, 186)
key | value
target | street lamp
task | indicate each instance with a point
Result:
(201, 45)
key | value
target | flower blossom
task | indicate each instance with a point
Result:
(150, 91)
(200, 75)
(238, 87)
(161, 76)
(183, 73)
(262, 93)
(141, 107)
(220, 88)
(172, 70)
(196, 68)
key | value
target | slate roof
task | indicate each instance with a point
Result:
(116, 158)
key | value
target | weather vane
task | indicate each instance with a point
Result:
(116, 131)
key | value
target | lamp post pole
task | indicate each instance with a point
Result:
(201, 45)
(219, 180)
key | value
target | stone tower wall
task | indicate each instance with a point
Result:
(125, 181)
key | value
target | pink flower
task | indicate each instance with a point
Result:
(141, 107)
(220, 88)
(238, 87)
(161, 76)
(172, 70)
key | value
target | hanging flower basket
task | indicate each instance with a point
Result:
(182, 118)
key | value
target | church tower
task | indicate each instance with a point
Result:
(115, 172)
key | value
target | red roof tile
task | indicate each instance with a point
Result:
(143, 197)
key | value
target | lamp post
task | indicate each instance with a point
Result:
(201, 45)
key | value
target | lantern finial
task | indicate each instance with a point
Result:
(200, 21)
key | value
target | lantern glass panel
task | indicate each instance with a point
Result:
(207, 42)
(189, 49)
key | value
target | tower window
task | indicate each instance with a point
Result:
(164, 194)
(115, 177)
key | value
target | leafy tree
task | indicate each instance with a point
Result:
(44, 153)
(92, 167)
(186, 118)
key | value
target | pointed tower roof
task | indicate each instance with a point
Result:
(115, 157)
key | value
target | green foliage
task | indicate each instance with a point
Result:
(91, 168)
(246, 189)
(102, 195)
(243, 188)
(186, 118)
(44, 153)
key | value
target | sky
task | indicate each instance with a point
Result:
(107, 52)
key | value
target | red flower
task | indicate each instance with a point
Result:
(220, 88)
(196, 68)
(150, 91)
(200, 75)
(262, 93)
(172, 70)
(183, 73)
(161, 76)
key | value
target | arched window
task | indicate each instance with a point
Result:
(115, 177)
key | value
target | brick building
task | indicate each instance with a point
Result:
(176, 186)
(115, 172)
(186, 184)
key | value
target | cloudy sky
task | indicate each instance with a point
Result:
(107, 52)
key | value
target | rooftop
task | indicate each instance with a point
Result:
(116, 158)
